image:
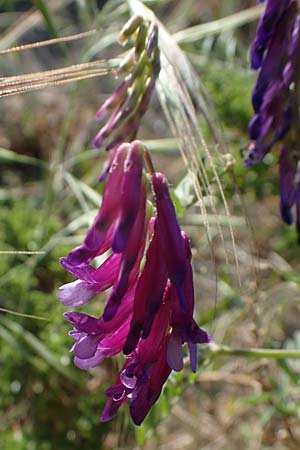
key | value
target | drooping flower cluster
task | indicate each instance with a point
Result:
(275, 53)
(149, 311)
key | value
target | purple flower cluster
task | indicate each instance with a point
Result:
(149, 310)
(275, 53)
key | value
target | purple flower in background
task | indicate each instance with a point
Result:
(289, 175)
(271, 97)
(275, 98)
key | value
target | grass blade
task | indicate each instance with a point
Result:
(38, 347)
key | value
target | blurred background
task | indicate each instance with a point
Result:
(49, 194)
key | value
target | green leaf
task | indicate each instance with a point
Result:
(9, 156)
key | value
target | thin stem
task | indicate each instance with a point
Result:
(29, 316)
(149, 162)
(224, 350)
(47, 42)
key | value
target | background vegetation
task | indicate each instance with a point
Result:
(49, 194)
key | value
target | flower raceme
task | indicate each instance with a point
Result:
(275, 53)
(130, 100)
(149, 310)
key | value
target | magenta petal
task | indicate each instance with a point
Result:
(80, 255)
(107, 273)
(111, 409)
(113, 343)
(131, 259)
(83, 322)
(129, 196)
(84, 272)
(149, 295)
(103, 223)
(150, 391)
(172, 242)
(116, 97)
(106, 168)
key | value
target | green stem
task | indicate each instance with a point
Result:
(224, 350)
(42, 7)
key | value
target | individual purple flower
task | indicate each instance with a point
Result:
(172, 242)
(141, 379)
(90, 281)
(121, 225)
(271, 124)
(130, 264)
(184, 327)
(97, 339)
(118, 213)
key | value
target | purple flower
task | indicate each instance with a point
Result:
(275, 98)
(171, 239)
(149, 295)
(119, 225)
(271, 95)
(90, 281)
(141, 379)
(97, 339)
(149, 312)
(116, 98)
(184, 327)
(265, 30)
(289, 175)
(100, 234)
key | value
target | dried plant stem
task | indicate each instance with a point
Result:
(72, 37)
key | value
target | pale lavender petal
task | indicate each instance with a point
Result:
(91, 363)
(76, 293)
(86, 347)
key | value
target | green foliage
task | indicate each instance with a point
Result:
(40, 389)
(230, 88)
